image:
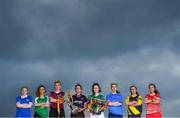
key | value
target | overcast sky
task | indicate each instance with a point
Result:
(86, 41)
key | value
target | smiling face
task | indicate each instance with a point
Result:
(152, 89)
(96, 89)
(114, 88)
(24, 91)
(57, 86)
(78, 90)
(42, 90)
(133, 90)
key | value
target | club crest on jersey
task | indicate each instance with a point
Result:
(27, 100)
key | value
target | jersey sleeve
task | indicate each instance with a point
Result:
(140, 100)
(17, 99)
(30, 99)
(85, 99)
(127, 100)
(107, 97)
(120, 98)
(89, 98)
(157, 96)
(36, 100)
(147, 96)
(52, 95)
(63, 94)
(47, 100)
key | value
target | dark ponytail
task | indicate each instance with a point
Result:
(117, 91)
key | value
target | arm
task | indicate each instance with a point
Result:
(53, 99)
(18, 102)
(156, 101)
(19, 105)
(47, 103)
(120, 102)
(139, 102)
(127, 101)
(24, 105)
(152, 101)
(89, 103)
(117, 103)
(134, 103)
(41, 104)
(146, 101)
(36, 104)
(85, 106)
(28, 105)
(114, 103)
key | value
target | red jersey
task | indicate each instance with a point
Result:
(55, 96)
(153, 108)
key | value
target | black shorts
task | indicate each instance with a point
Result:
(134, 116)
(36, 115)
(54, 113)
(80, 114)
(111, 115)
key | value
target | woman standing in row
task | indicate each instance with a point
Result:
(56, 101)
(134, 103)
(24, 103)
(96, 102)
(153, 109)
(80, 101)
(41, 102)
(115, 102)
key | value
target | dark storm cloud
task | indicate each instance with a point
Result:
(132, 42)
(13, 34)
(52, 29)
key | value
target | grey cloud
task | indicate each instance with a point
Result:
(141, 68)
(44, 30)
(125, 41)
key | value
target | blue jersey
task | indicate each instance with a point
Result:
(23, 112)
(117, 110)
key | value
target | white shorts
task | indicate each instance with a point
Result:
(97, 116)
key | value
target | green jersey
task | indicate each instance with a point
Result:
(98, 101)
(42, 111)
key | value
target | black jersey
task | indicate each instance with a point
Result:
(79, 101)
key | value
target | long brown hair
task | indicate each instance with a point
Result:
(37, 91)
(135, 88)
